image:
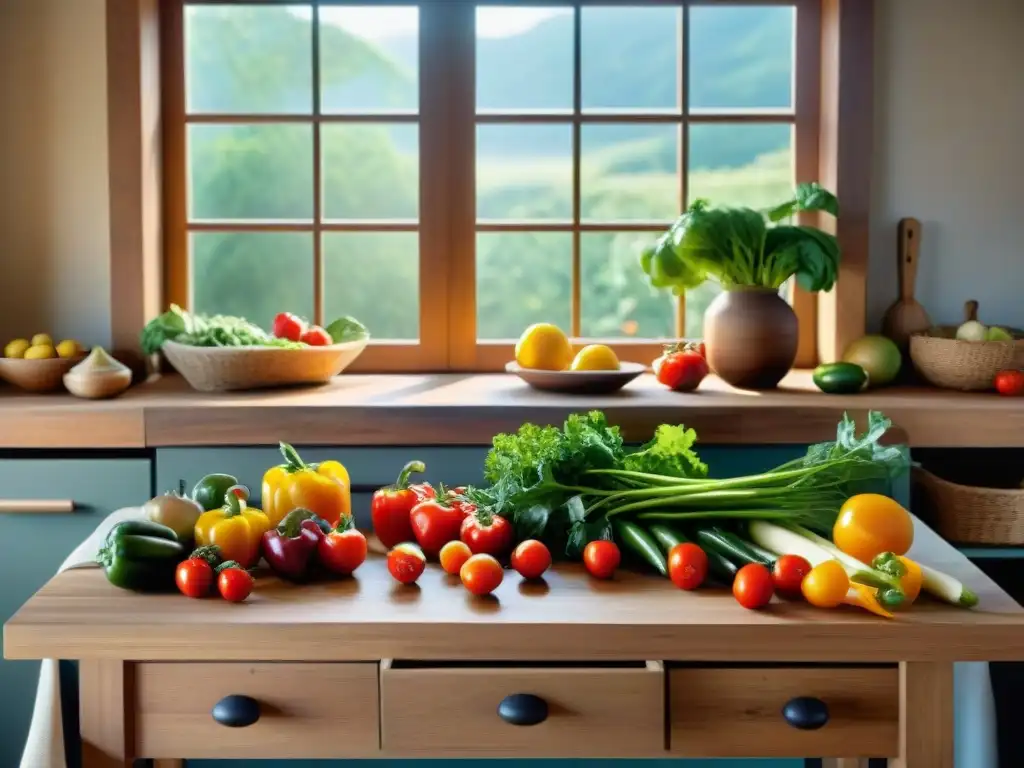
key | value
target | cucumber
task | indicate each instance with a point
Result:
(840, 378)
(667, 537)
(728, 546)
(641, 544)
(148, 548)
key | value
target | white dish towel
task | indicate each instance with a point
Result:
(975, 721)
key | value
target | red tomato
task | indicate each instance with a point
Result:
(531, 558)
(234, 584)
(453, 555)
(453, 497)
(406, 562)
(687, 565)
(481, 574)
(788, 573)
(316, 336)
(752, 586)
(490, 535)
(601, 558)
(434, 524)
(194, 577)
(342, 552)
(681, 370)
(1010, 383)
(289, 326)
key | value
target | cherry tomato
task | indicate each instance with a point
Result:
(406, 562)
(752, 586)
(194, 577)
(681, 369)
(288, 326)
(531, 558)
(435, 523)
(789, 572)
(826, 585)
(870, 524)
(316, 336)
(453, 555)
(1010, 383)
(487, 535)
(687, 565)
(234, 584)
(481, 574)
(342, 552)
(601, 558)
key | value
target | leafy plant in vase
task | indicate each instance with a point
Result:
(751, 332)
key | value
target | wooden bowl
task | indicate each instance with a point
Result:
(37, 375)
(578, 382)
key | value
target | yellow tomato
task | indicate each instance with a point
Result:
(595, 357)
(869, 524)
(826, 585)
(910, 582)
(544, 346)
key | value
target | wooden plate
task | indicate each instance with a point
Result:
(578, 382)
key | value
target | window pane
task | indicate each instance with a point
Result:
(697, 302)
(369, 58)
(522, 278)
(370, 171)
(524, 172)
(248, 59)
(741, 165)
(741, 56)
(631, 57)
(374, 277)
(250, 172)
(616, 300)
(629, 172)
(524, 58)
(253, 275)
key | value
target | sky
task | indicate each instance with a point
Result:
(380, 22)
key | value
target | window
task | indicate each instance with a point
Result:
(450, 172)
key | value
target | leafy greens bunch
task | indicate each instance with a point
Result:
(742, 247)
(565, 486)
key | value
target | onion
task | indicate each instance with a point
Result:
(972, 330)
(176, 511)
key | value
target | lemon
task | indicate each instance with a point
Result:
(40, 352)
(544, 346)
(42, 340)
(69, 348)
(595, 357)
(16, 348)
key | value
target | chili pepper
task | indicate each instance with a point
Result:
(289, 548)
(141, 555)
(236, 528)
(392, 504)
(324, 488)
(640, 542)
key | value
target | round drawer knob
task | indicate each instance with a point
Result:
(523, 709)
(806, 713)
(236, 711)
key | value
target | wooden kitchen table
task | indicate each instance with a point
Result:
(632, 667)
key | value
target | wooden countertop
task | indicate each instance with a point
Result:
(456, 409)
(570, 617)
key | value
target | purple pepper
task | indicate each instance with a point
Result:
(289, 548)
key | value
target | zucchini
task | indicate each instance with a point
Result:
(637, 540)
(668, 537)
(840, 378)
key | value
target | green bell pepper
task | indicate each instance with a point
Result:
(141, 555)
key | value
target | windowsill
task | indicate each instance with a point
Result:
(469, 409)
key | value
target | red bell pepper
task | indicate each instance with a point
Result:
(289, 548)
(391, 505)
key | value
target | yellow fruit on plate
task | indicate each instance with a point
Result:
(595, 357)
(42, 340)
(544, 346)
(17, 348)
(40, 352)
(69, 348)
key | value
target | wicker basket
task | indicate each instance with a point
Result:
(970, 515)
(222, 369)
(947, 362)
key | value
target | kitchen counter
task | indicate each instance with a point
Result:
(469, 409)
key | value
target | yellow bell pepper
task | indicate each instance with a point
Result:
(905, 570)
(236, 528)
(866, 598)
(324, 489)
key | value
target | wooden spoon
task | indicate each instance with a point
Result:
(906, 317)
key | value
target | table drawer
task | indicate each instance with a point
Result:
(738, 712)
(304, 710)
(452, 711)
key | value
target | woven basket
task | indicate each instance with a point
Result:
(947, 362)
(962, 513)
(222, 369)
